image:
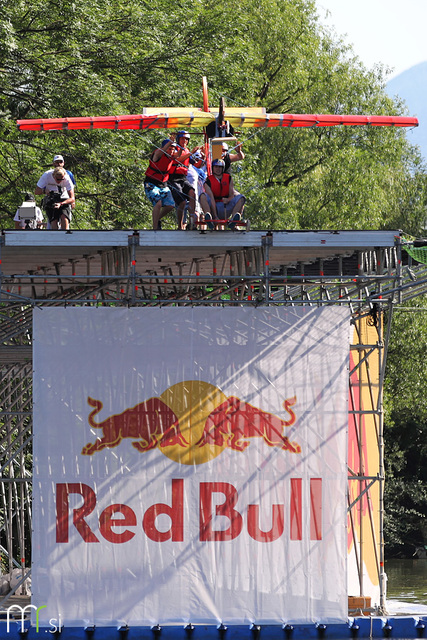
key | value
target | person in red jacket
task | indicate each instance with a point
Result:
(223, 203)
(156, 181)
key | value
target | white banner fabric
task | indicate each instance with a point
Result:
(190, 465)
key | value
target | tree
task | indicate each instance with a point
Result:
(406, 431)
(103, 58)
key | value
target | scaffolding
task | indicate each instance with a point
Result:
(363, 270)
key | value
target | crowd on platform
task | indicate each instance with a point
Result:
(180, 179)
(176, 179)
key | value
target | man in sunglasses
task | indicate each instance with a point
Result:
(58, 190)
(58, 161)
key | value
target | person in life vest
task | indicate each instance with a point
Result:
(182, 191)
(156, 181)
(224, 205)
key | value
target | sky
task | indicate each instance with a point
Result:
(391, 32)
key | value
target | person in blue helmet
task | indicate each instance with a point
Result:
(182, 191)
(223, 203)
(196, 176)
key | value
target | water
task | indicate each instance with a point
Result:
(406, 586)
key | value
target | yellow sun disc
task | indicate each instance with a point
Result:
(192, 402)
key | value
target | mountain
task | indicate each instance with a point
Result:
(411, 87)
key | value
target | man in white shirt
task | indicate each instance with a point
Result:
(33, 223)
(59, 196)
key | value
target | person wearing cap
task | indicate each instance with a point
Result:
(156, 185)
(182, 191)
(58, 161)
(231, 157)
(34, 223)
(224, 205)
(58, 190)
(47, 178)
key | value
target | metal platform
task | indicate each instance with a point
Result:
(137, 267)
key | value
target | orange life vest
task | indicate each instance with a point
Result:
(220, 189)
(159, 171)
(180, 167)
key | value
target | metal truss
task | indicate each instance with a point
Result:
(362, 270)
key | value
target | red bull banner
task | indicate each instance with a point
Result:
(190, 465)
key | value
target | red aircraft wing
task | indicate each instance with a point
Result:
(164, 119)
(174, 118)
(317, 120)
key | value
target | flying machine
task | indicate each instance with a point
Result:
(176, 117)
(218, 124)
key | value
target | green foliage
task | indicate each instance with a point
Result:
(406, 521)
(104, 58)
(406, 431)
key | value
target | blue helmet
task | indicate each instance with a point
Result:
(182, 134)
(218, 163)
(196, 157)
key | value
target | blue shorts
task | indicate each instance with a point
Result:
(155, 192)
(224, 211)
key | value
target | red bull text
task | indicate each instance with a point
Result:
(119, 523)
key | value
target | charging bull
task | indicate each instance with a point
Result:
(233, 422)
(151, 423)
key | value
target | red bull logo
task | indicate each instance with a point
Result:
(150, 424)
(192, 422)
(120, 523)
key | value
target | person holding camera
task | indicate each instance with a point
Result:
(30, 223)
(59, 197)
